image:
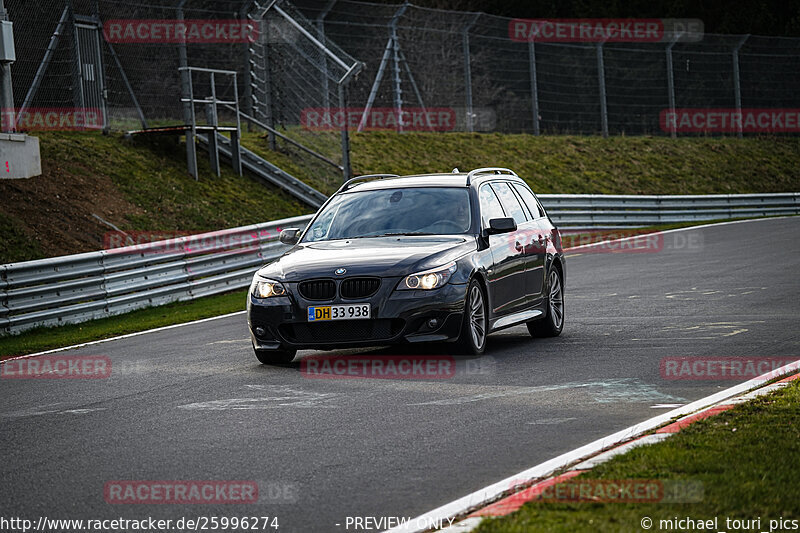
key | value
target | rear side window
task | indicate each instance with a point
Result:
(529, 199)
(510, 202)
(490, 205)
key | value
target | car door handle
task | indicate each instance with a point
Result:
(518, 246)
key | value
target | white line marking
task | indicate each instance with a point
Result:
(619, 450)
(609, 391)
(490, 493)
(548, 421)
(119, 337)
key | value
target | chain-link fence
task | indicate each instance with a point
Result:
(464, 67)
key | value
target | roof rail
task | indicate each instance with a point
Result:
(347, 184)
(490, 170)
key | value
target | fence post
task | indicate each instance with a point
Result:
(398, 90)
(321, 37)
(390, 46)
(534, 86)
(468, 72)
(737, 88)
(671, 88)
(268, 111)
(6, 88)
(247, 60)
(345, 136)
(601, 79)
(188, 105)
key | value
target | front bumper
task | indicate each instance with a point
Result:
(396, 317)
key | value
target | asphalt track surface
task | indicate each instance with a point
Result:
(192, 403)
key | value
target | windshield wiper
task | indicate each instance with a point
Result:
(403, 234)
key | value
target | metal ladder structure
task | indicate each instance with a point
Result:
(265, 170)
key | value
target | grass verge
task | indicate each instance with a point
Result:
(44, 338)
(745, 459)
(564, 163)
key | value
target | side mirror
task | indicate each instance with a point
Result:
(289, 236)
(501, 225)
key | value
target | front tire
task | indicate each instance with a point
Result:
(552, 323)
(275, 357)
(474, 327)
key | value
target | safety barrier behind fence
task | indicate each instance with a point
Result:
(75, 288)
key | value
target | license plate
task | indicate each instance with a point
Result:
(338, 312)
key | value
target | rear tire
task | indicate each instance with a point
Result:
(275, 357)
(552, 323)
(474, 327)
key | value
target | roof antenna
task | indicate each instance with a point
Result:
(456, 171)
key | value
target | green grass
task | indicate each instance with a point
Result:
(746, 460)
(43, 338)
(14, 243)
(155, 192)
(571, 164)
(137, 185)
(152, 175)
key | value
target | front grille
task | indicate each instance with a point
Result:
(342, 331)
(359, 287)
(317, 289)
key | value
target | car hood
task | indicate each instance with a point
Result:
(376, 256)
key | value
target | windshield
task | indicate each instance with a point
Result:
(411, 211)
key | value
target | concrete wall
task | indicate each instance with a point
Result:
(19, 156)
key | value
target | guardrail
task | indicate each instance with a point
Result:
(599, 210)
(74, 288)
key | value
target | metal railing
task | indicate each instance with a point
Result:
(600, 210)
(74, 288)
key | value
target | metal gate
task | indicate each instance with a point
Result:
(90, 91)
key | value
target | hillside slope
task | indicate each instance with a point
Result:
(573, 164)
(141, 186)
(144, 186)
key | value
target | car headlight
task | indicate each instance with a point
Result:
(429, 279)
(266, 288)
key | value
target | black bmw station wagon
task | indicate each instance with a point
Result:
(389, 259)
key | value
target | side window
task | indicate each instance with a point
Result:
(490, 205)
(510, 202)
(529, 199)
